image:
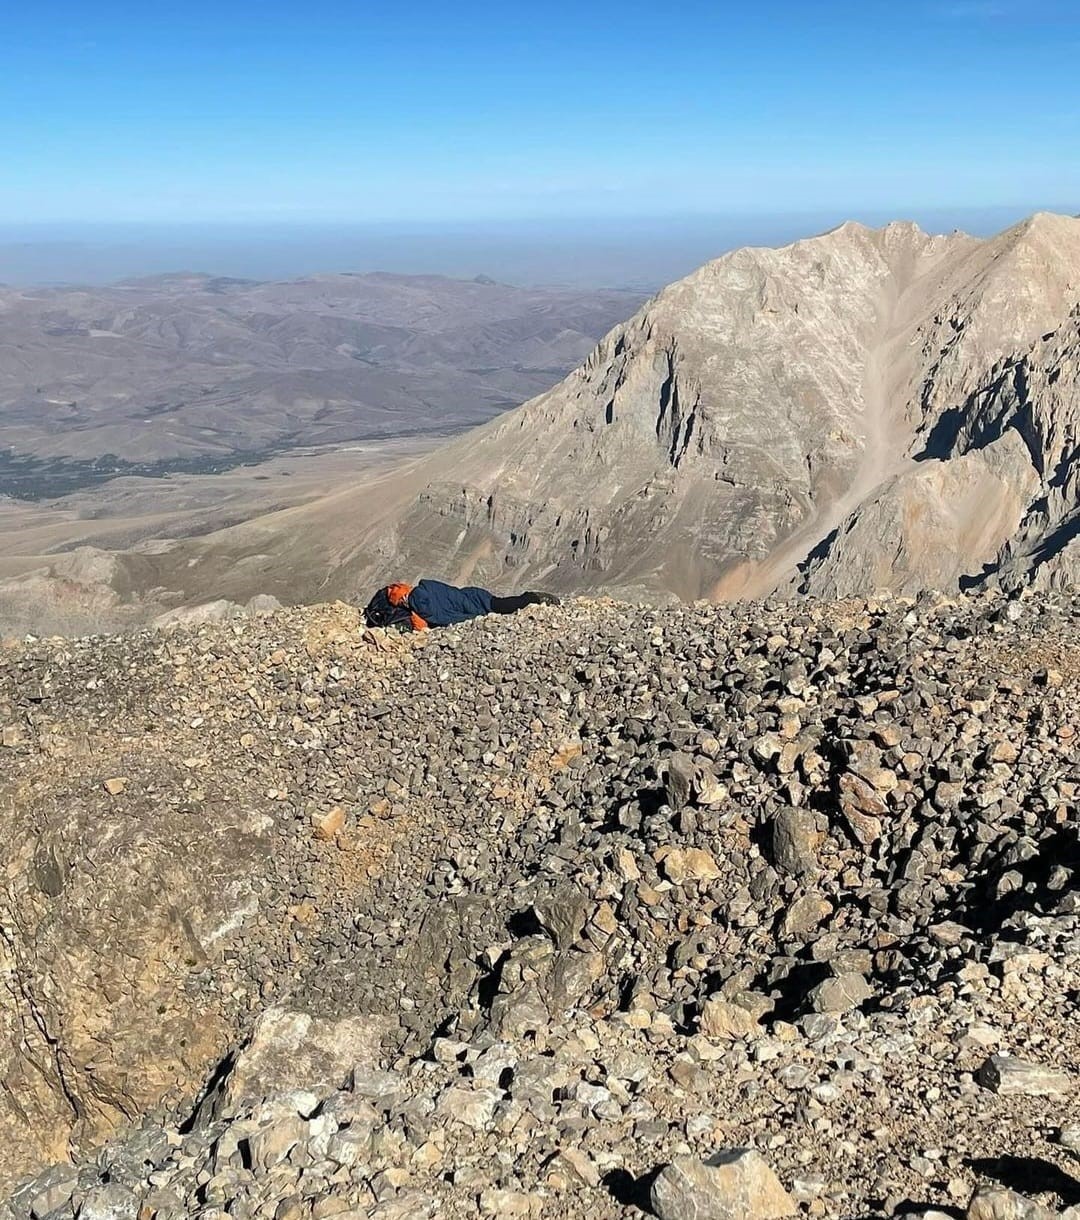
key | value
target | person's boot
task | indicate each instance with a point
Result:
(544, 599)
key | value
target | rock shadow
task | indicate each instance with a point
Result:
(1029, 1175)
(629, 1191)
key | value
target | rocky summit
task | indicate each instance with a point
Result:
(605, 911)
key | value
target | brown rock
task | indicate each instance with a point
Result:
(327, 825)
(805, 914)
(1002, 751)
(689, 864)
(710, 790)
(574, 1165)
(510, 1203)
(722, 1019)
(861, 808)
(997, 1203)
(864, 759)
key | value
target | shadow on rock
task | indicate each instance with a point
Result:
(624, 1188)
(1029, 1175)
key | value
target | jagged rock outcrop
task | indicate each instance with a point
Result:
(140, 855)
(938, 524)
(728, 415)
(1038, 395)
(996, 498)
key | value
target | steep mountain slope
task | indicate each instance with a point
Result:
(738, 408)
(861, 409)
(995, 494)
(714, 441)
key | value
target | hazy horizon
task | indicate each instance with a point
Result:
(598, 145)
(643, 252)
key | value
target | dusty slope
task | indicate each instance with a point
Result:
(503, 919)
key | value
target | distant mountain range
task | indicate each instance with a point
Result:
(867, 409)
(193, 372)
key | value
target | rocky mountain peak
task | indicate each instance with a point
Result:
(724, 436)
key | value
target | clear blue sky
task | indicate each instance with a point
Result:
(333, 111)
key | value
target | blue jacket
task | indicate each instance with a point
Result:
(441, 605)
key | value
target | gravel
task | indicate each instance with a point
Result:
(508, 918)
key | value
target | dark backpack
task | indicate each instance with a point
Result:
(382, 612)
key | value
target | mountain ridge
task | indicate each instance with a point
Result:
(826, 417)
(1004, 293)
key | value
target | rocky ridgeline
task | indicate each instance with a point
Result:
(598, 911)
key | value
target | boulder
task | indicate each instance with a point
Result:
(998, 1203)
(735, 1184)
(1011, 1077)
(290, 1049)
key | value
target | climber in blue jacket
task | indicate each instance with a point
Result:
(431, 603)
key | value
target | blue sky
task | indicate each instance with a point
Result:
(352, 112)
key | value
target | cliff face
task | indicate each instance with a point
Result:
(862, 409)
(1038, 397)
(993, 495)
(726, 416)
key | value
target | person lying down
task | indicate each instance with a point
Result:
(431, 603)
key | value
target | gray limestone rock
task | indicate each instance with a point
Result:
(794, 841)
(999, 1203)
(736, 1184)
(109, 1201)
(840, 994)
(1011, 1076)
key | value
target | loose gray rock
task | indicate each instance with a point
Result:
(998, 1203)
(840, 994)
(109, 1201)
(794, 841)
(513, 946)
(735, 1184)
(1013, 1077)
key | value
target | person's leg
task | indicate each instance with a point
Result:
(509, 605)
